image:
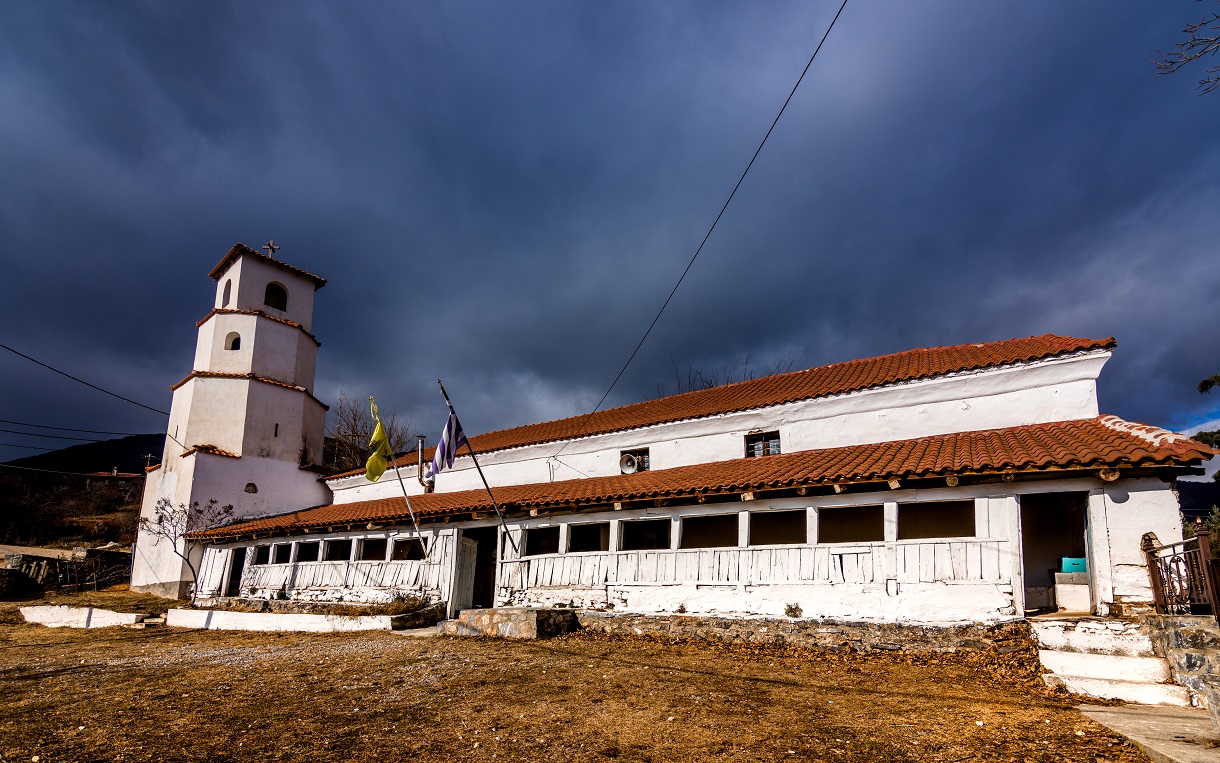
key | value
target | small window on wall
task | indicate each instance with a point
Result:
(337, 550)
(308, 552)
(541, 540)
(645, 534)
(594, 536)
(851, 524)
(281, 553)
(942, 519)
(224, 300)
(407, 550)
(762, 444)
(715, 531)
(262, 555)
(632, 461)
(373, 549)
(777, 528)
(233, 341)
(276, 296)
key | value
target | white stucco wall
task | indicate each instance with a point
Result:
(1132, 508)
(220, 620)
(1052, 390)
(78, 617)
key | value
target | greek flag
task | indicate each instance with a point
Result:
(446, 450)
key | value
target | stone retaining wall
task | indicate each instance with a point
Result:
(822, 634)
(511, 622)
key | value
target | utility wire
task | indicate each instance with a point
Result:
(706, 236)
(49, 436)
(82, 381)
(52, 471)
(27, 447)
(66, 429)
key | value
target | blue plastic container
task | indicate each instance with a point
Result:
(1073, 564)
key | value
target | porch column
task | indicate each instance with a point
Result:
(1097, 540)
(615, 532)
(890, 514)
(743, 529)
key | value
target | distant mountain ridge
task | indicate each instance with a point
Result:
(127, 454)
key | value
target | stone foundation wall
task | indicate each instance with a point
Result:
(822, 634)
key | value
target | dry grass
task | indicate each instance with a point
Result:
(157, 695)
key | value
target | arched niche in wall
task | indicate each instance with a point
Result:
(228, 293)
(233, 341)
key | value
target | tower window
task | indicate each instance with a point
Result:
(276, 296)
(233, 341)
(224, 300)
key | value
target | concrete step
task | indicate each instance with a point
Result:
(154, 621)
(1128, 691)
(1092, 635)
(1136, 669)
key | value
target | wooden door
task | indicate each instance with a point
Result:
(237, 565)
(463, 580)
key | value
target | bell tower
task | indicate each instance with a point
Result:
(244, 426)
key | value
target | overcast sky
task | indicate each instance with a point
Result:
(502, 194)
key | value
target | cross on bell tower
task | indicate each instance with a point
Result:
(270, 247)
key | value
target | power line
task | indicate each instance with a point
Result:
(82, 381)
(49, 436)
(27, 447)
(67, 429)
(52, 471)
(706, 236)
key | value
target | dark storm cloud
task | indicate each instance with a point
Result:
(947, 173)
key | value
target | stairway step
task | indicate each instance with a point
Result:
(1128, 691)
(1137, 669)
(1092, 636)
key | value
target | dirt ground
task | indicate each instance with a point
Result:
(160, 694)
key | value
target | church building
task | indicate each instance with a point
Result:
(971, 483)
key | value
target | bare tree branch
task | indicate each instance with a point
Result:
(691, 379)
(1204, 40)
(350, 427)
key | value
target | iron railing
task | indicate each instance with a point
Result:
(1184, 575)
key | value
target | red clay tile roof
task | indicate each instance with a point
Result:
(239, 249)
(1102, 442)
(824, 381)
(215, 451)
(259, 314)
(251, 377)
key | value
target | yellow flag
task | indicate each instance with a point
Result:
(380, 444)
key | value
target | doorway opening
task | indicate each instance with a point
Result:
(237, 564)
(1052, 538)
(484, 565)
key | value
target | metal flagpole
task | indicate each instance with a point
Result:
(394, 464)
(411, 511)
(495, 505)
